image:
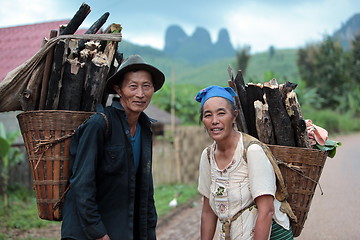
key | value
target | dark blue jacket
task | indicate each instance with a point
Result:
(106, 195)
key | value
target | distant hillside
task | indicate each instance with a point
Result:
(346, 34)
(262, 66)
(197, 48)
(196, 60)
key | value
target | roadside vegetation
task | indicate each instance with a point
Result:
(21, 214)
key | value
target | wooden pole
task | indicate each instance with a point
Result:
(173, 103)
(52, 99)
(46, 75)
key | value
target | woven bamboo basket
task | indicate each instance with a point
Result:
(47, 135)
(301, 169)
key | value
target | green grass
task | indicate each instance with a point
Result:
(332, 121)
(20, 215)
(165, 193)
(22, 212)
(282, 66)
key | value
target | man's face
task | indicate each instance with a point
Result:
(136, 91)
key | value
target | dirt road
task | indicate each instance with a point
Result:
(334, 215)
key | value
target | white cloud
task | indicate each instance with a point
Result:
(145, 40)
(20, 12)
(285, 27)
(257, 23)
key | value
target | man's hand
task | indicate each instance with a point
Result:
(105, 237)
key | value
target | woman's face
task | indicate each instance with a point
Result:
(218, 118)
(136, 91)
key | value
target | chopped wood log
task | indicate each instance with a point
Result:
(93, 83)
(253, 92)
(241, 91)
(284, 134)
(52, 99)
(96, 76)
(46, 75)
(72, 85)
(77, 20)
(286, 88)
(264, 125)
(112, 28)
(118, 58)
(297, 120)
(94, 29)
(30, 96)
(240, 118)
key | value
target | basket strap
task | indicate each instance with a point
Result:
(61, 200)
(107, 123)
(226, 225)
(100, 109)
(281, 191)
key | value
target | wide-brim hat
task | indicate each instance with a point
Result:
(135, 62)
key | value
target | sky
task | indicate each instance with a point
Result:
(255, 23)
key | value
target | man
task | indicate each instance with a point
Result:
(111, 191)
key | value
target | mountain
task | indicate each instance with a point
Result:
(346, 34)
(197, 48)
(261, 67)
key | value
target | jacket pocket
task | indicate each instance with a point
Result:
(115, 160)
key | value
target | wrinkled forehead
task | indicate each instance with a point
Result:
(137, 75)
(216, 103)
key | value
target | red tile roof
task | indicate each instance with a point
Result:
(18, 44)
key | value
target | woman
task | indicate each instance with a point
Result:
(237, 180)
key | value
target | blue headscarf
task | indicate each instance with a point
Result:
(215, 91)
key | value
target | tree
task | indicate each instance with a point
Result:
(355, 73)
(306, 62)
(354, 96)
(331, 72)
(8, 157)
(271, 51)
(324, 67)
(243, 57)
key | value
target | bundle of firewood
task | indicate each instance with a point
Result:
(270, 112)
(70, 70)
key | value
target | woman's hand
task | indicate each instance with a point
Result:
(105, 237)
(265, 206)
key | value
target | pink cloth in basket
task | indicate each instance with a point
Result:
(316, 134)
